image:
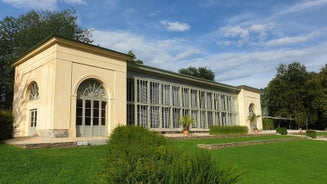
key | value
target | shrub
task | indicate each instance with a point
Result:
(6, 125)
(311, 133)
(216, 130)
(136, 155)
(281, 131)
(268, 124)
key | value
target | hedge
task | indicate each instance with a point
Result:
(216, 130)
(281, 131)
(136, 155)
(6, 125)
(311, 133)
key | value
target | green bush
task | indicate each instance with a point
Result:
(136, 155)
(216, 130)
(268, 124)
(311, 133)
(281, 131)
(6, 125)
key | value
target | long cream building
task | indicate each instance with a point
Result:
(65, 88)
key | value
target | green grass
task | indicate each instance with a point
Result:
(302, 161)
(72, 165)
(191, 145)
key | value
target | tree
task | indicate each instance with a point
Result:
(253, 119)
(285, 92)
(296, 93)
(201, 72)
(316, 98)
(134, 59)
(18, 35)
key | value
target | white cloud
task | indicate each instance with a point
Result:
(41, 4)
(75, 1)
(235, 31)
(175, 26)
(33, 4)
(304, 5)
(262, 29)
(296, 39)
(237, 68)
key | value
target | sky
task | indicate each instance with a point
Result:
(243, 42)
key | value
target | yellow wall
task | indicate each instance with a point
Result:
(246, 97)
(58, 66)
(39, 69)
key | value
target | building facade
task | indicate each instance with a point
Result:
(65, 88)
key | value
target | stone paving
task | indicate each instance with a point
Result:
(41, 142)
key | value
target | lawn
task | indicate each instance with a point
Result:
(64, 165)
(300, 161)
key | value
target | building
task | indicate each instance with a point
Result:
(65, 88)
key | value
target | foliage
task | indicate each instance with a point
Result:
(18, 35)
(200, 72)
(133, 58)
(296, 93)
(253, 118)
(186, 121)
(268, 124)
(217, 130)
(6, 125)
(311, 133)
(136, 155)
(281, 131)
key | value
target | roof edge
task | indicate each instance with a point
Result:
(183, 77)
(50, 41)
(249, 88)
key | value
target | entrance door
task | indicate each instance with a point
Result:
(91, 118)
(91, 105)
(33, 122)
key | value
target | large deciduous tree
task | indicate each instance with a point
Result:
(201, 72)
(296, 93)
(286, 92)
(18, 35)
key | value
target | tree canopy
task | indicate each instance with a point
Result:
(134, 58)
(200, 72)
(18, 35)
(298, 94)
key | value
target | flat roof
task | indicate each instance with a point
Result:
(181, 77)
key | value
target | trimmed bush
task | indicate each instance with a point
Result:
(216, 130)
(268, 124)
(6, 125)
(311, 133)
(136, 155)
(281, 131)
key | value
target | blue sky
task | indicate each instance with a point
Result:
(241, 41)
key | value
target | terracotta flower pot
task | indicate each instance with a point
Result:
(185, 132)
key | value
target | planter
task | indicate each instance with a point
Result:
(256, 131)
(185, 132)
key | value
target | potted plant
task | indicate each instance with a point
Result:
(186, 121)
(253, 118)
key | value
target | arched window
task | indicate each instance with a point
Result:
(33, 91)
(91, 107)
(251, 109)
(33, 95)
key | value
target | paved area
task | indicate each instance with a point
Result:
(41, 142)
